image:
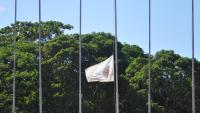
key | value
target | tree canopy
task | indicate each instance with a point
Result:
(171, 73)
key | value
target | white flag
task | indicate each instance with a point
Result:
(102, 72)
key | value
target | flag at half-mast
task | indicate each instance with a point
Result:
(101, 72)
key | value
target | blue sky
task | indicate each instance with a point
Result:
(171, 20)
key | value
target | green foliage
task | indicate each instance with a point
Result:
(171, 73)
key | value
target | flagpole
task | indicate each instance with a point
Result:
(149, 60)
(116, 60)
(14, 53)
(40, 65)
(193, 66)
(80, 62)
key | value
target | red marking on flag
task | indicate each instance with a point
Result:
(106, 71)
